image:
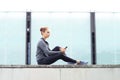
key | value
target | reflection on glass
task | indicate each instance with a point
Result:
(67, 29)
(12, 38)
(108, 37)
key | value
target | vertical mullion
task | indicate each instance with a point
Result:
(93, 37)
(28, 38)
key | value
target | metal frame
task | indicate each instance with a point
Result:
(28, 38)
(93, 38)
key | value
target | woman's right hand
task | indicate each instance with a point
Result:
(62, 50)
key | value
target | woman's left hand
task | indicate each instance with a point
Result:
(62, 50)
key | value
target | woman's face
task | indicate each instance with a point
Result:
(46, 34)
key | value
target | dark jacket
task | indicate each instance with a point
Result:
(43, 50)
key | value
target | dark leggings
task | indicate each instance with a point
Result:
(53, 58)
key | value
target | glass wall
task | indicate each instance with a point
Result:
(108, 38)
(12, 38)
(67, 29)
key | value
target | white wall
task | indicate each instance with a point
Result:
(59, 5)
(59, 73)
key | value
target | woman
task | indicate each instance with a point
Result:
(46, 56)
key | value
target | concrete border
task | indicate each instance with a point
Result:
(60, 66)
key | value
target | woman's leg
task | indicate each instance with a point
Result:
(57, 56)
(57, 48)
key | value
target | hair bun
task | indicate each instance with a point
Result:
(43, 29)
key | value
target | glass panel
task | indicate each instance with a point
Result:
(108, 37)
(67, 29)
(12, 38)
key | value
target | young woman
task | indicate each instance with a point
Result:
(46, 56)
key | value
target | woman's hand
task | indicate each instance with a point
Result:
(62, 50)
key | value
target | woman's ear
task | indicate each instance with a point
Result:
(41, 33)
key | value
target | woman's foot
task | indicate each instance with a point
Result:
(81, 63)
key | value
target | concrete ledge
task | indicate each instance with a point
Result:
(59, 72)
(59, 66)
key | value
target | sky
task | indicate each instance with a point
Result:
(60, 5)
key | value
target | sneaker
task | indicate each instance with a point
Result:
(82, 63)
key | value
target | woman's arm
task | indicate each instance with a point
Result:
(45, 49)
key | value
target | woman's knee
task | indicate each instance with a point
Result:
(57, 48)
(60, 54)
